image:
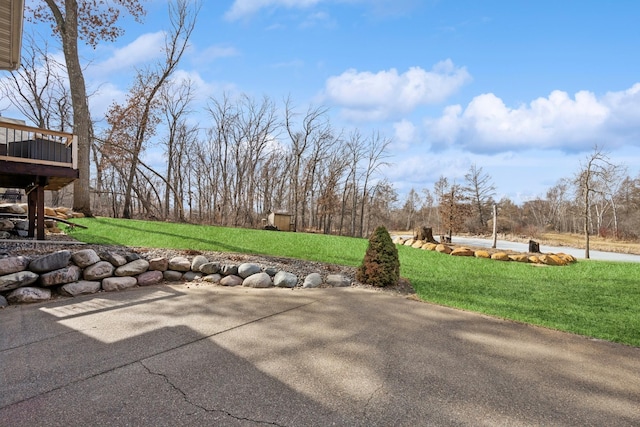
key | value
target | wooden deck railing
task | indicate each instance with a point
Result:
(26, 144)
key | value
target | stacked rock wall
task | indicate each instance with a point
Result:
(24, 279)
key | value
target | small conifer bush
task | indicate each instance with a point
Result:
(381, 265)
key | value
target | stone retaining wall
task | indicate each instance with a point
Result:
(24, 279)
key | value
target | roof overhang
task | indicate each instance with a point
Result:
(11, 20)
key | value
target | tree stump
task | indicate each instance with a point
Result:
(425, 234)
(534, 247)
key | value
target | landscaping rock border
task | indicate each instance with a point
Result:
(35, 278)
(557, 259)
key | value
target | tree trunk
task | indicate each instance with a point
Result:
(424, 233)
(68, 27)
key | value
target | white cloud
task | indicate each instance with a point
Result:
(244, 8)
(404, 133)
(375, 96)
(142, 50)
(555, 122)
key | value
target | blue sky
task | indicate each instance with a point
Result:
(523, 89)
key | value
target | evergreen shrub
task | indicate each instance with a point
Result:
(381, 264)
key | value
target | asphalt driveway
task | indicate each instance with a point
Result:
(209, 355)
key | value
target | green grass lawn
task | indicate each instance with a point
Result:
(594, 298)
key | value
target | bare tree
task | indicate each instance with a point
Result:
(378, 146)
(175, 100)
(589, 181)
(135, 120)
(355, 152)
(314, 126)
(410, 208)
(479, 189)
(613, 183)
(450, 205)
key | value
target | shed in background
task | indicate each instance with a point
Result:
(280, 221)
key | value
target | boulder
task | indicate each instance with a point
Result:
(552, 259)
(409, 242)
(190, 276)
(429, 246)
(98, 271)
(398, 240)
(418, 244)
(13, 264)
(29, 294)
(271, 271)
(197, 262)
(12, 208)
(131, 256)
(284, 279)
(3, 302)
(4, 234)
(115, 259)
(259, 280)
(500, 256)
(444, 249)
(6, 224)
(179, 263)
(229, 270)
(50, 262)
(248, 269)
(21, 224)
(462, 251)
(111, 284)
(231, 280)
(533, 259)
(152, 277)
(210, 268)
(212, 278)
(481, 253)
(81, 287)
(17, 280)
(338, 281)
(85, 258)
(519, 257)
(61, 276)
(172, 275)
(313, 280)
(566, 257)
(159, 264)
(132, 268)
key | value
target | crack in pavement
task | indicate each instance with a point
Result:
(201, 407)
(365, 409)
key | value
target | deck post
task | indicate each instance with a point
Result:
(40, 203)
(31, 211)
(35, 203)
